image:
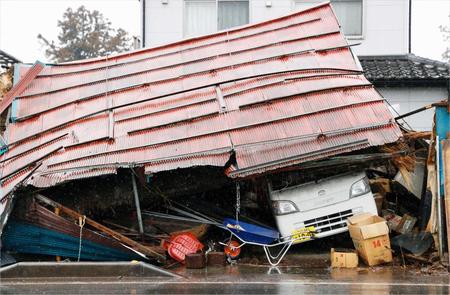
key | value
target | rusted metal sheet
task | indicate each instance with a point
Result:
(264, 157)
(8, 184)
(199, 59)
(43, 178)
(168, 81)
(41, 216)
(219, 158)
(255, 98)
(19, 87)
(204, 42)
(18, 163)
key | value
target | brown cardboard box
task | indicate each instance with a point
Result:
(346, 258)
(370, 235)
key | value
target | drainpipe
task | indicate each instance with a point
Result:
(409, 26)
(143, 23)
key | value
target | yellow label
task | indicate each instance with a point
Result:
(303, 234)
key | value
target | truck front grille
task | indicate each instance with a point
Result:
(330, 222)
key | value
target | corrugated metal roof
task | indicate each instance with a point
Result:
(21, 85)
(271, 94)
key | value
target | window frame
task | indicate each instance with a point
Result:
(217, 14)
(185, 20)
(363, 19)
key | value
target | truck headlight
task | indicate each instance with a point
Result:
(359, 188)
(283, 207)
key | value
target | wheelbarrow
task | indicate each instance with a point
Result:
(268, 238)
(247, 234)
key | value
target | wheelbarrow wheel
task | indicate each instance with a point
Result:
(231, 249)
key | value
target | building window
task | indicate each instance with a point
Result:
(207, 16)
(348, 12)
(200, 17)
(232, 14)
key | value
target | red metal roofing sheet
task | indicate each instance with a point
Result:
(271, 95)
(198, 60)
(21, 86)
(49, 179)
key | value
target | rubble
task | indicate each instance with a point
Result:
(227, 157)
(216, 258)
(6, 81)
(195, 260)
(115, 235)
(41, 231)
(416, 243)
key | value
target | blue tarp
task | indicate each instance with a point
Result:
(27, 238)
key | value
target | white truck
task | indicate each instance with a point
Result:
(321, 206)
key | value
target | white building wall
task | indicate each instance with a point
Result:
(260, 12)
(406, 99)
(385, 28)
(163, 22)
(385, 23)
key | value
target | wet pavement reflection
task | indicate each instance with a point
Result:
(246, 279)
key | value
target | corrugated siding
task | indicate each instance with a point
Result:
(42, 179)
(272, 94)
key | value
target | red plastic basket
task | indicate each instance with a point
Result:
(182, 244)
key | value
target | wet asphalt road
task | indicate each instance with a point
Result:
(228, 288)
(247, 280)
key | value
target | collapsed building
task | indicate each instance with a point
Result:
(284, 98)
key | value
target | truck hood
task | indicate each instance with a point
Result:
(318, 194)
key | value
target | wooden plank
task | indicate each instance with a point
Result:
(418, 135)
(121, 238)
(446, 180)
(132, 232)
(432, 186)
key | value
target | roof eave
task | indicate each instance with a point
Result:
(441, 82)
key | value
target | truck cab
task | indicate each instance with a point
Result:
(321, 207)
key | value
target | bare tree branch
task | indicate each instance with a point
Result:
(85, 34)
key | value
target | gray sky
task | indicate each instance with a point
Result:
(427, 16)
(22, 20)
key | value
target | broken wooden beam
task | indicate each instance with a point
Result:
(132, 232)
(119, 237)
(418, 135)
(417, 258)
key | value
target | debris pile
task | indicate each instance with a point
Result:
(261, 139)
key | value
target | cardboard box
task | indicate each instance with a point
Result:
(370, 235)
(346, 258)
